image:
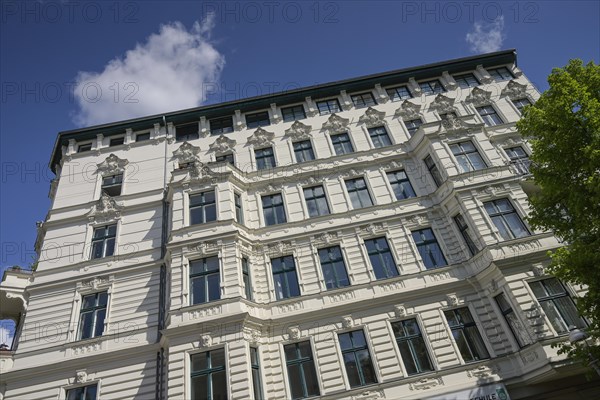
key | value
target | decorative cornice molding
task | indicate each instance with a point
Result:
(222, 145)
(372, 118)
(112, 165)
(298, 131)
(335, 124)
(261, 138)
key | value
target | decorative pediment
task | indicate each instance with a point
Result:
(298, 131)
(113, 165)
(372, 117)
(479, 97)
(335, 124)
(452, 123)
(514, 90)
(186, 153)
(105, 209)
(280, 248)
(261, 138)
(222, 145)
(408, 111)
(442, 104)
(201, 172)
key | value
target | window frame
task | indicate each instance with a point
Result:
(223, 127)
(432, 89)
(205, 274)
(520, 108)
(287, 291)
(94, 311)
(381, 258)
(192, 135)
(294, 113)
(488, 118)
(498, 76)
(257, 119)
(315, 199)
(247, 278)
(116, 141)
(301, 361)
(304, 151)
(83, 147)
(521, 163)
(142, 137)
(274, 206)
(513, 329)
(228, 158)
(256, 370)
(409, 339)
(463, 157)
(85, 387)
(464, 77)
(464, 230)
(434, 171)
(401, 184)
(505, 224)
(330, 263)
(117, 182)
(104, 239)
(396, 96)
(203, 206)
(328, 103)
(413, 129)
(238, 208)
(462, 326)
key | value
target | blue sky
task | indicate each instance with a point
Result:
(68, 64)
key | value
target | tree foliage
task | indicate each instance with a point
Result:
(563, 128)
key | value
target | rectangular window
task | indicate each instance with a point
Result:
(293, 113)
(334, 268)
(265, 158)
(342, 144)
(257, 119)
(273, 209)
(221, 125)
(401, 185)
(466, 335)
(141, 137)
(203, 208)
(381, 258)
(466, 81)
(380, 137)
(357, 358)
(84, 147)
(228, 158)
(466, 234)
(116, 141)
(92, 315)
(363, 100)
(557, 304)
(517, 329)
(328, 106)
(489, 115)
(285, 278)
(186, 132)
(433, 170)
(256, 378)
(412, 346)
(429, 249)
(304, 151)
(521, 103)
(89, 392)
(467, 156)
(316, 201)
(208, 376)
(506, 219)
(359, 193)
(432, 87)
(103, 241)
(111, 185)
(205, 280)
(239, 211)
(519, 159)
(399, 93)
(413, 125)
(301, 370)
(500, 74)
(247, 280)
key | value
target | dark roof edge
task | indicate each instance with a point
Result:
(321, 90)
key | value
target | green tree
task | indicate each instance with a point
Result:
(563, 128)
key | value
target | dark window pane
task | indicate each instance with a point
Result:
(257, 119)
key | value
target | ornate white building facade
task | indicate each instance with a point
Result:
(363, 239)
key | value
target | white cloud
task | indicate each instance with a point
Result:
(485, 38)
(168, 72)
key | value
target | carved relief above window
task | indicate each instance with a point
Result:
(261, 138)
(479, 97)
(408, 111)
(105, 210)
(335, 124)
(372, 117)
(298, 131)
(112, 165)
(186, 154)
(222, 145)
(442, 104)
(514, 90)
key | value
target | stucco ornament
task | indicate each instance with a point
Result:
(261, 137)
(408, 110)
(186, 153)
(442, 104)
(81, 376)
(205, 340)
(293, 332)
(335, 124)
(347, 321)
(105, 209)
(452, 123)
(222, 145)
(514, 90)
(372, 118)
(479, 97)
(298, 131)
(112, 165)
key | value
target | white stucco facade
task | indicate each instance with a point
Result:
(152, 327)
